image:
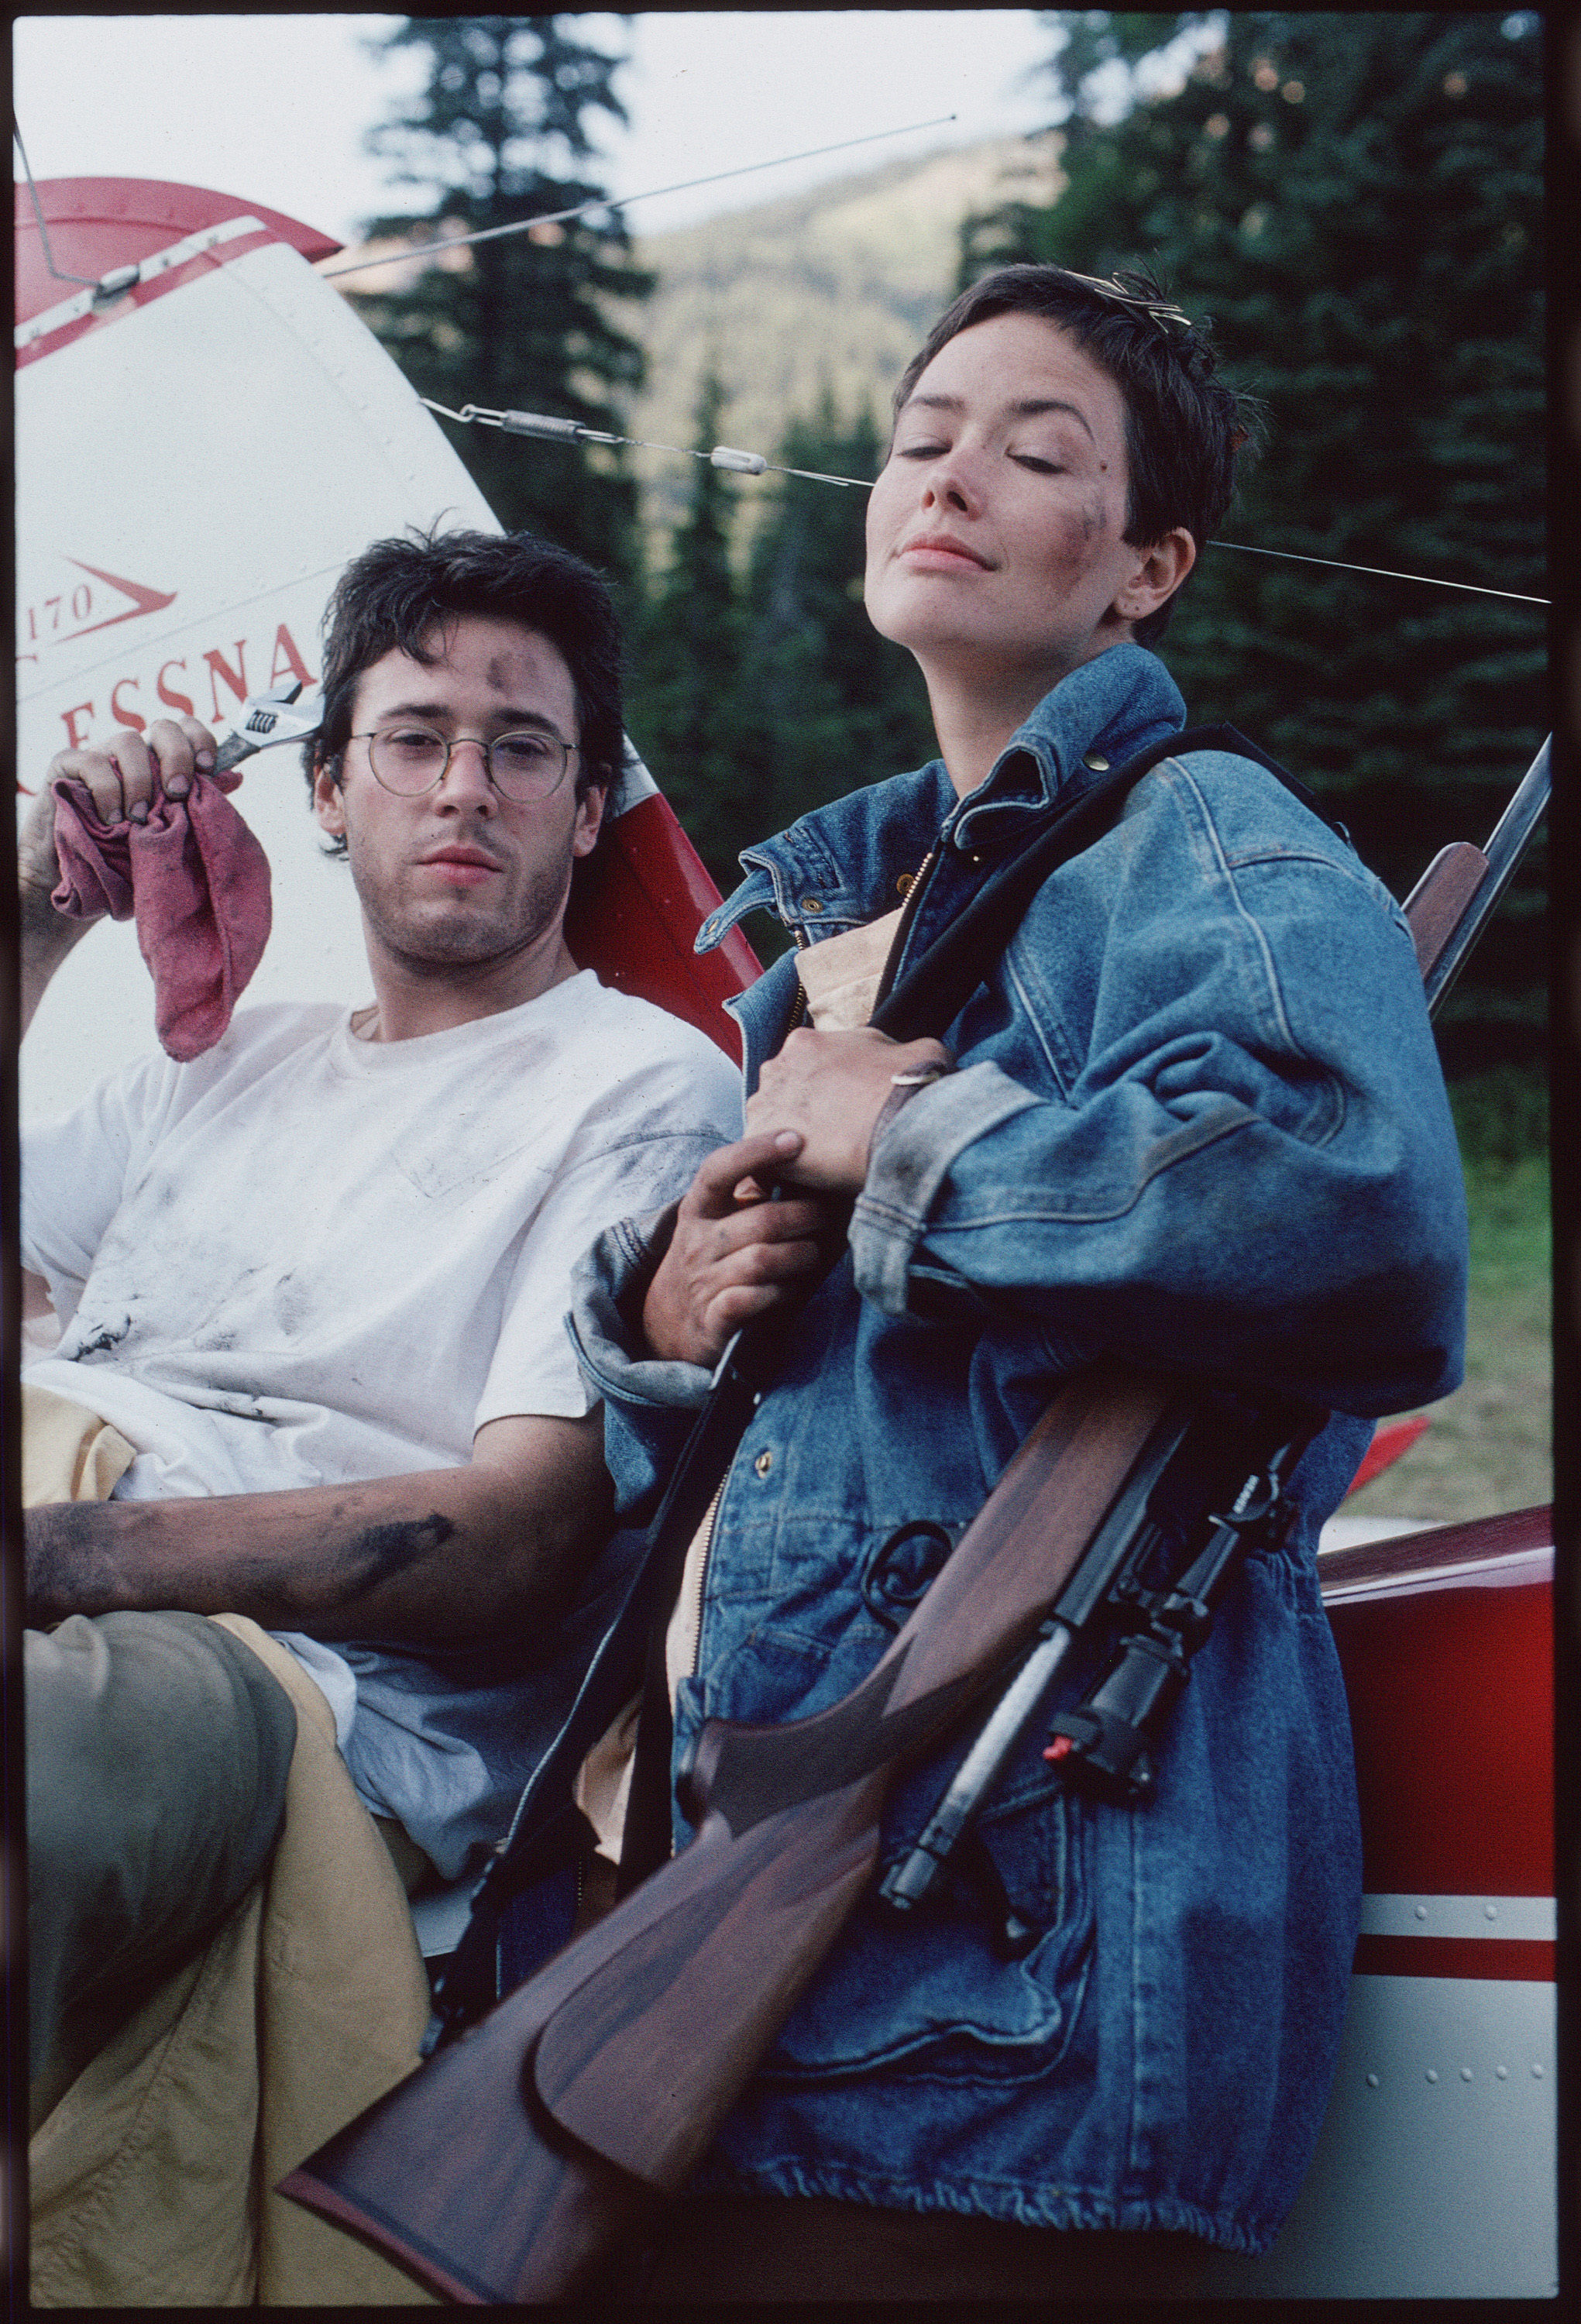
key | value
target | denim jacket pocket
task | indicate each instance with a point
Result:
(929, 1993)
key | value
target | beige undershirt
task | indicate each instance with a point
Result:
(840, 979)
(840, 975)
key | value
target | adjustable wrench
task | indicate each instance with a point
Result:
(264, 720)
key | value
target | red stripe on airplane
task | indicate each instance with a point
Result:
(1528, 1961)
(97, 223)
(634, 919)
(1450, 1684)
(1391, 1438)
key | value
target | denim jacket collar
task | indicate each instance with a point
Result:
(839, 864)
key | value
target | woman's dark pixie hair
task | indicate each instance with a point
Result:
(403, 595)
(1183, 425)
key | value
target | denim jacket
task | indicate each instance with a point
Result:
(1198, 1119)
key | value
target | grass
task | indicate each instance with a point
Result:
(1489, 1446)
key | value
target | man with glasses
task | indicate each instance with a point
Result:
(312, 1289)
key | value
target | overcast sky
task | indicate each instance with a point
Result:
(275, 108)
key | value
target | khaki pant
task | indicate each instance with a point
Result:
(295, 1999)
(158, 1753)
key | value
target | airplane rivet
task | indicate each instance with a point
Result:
(1421, 1912)
(1372, 2081)
(1489, 1911)
(1537, 2073)
(1502, 2073)
(1465, 2073)
(1432, 2076)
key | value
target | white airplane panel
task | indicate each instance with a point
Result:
(191, 478)
(1435, 2172)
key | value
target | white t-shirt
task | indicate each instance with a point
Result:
(306, 1258)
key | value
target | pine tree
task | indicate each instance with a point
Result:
(684, 699)
(1355, 201)
(522, 323)
(756, 700)
(835, 705)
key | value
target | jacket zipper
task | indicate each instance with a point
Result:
(908, 912)
(709, 1520)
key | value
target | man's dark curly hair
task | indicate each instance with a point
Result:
(1183, 424)
(404, 594)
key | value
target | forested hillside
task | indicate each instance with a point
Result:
(1357, 201)
(830, 290)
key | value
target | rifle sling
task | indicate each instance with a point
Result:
(934, 989)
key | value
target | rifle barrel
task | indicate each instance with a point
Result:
(909, 1881)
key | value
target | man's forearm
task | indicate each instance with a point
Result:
(441, 1556)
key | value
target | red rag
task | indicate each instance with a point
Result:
(197, 883)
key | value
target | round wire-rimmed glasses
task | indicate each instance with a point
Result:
(526, 765)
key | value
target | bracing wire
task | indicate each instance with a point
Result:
(612, 202)
(572, 432)
(753, 464)
(88, 281)
(1384, 571)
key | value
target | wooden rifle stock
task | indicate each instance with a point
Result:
(507, 2166)
(1450, 904)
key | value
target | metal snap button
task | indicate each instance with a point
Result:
(763, 1464)
(1099, 765)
